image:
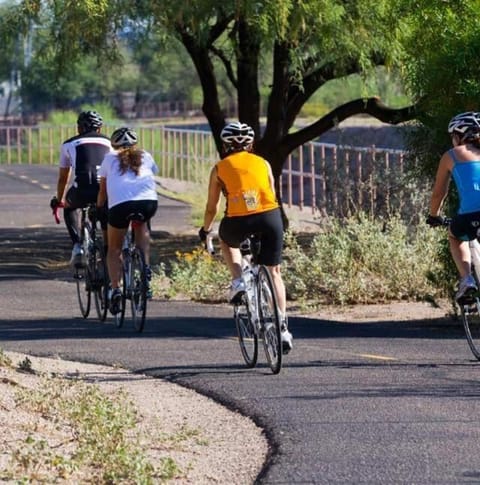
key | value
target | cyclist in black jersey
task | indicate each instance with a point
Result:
(79, 158)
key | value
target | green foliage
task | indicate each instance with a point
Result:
(199, 276)
(442, 71)
(354, 261)
(364, 261)
(106, 448)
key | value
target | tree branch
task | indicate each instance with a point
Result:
(372, 106)
(227, 64)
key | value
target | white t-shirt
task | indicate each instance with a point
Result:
(128, 186)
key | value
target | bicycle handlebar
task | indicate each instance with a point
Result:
(209, 243)
(55, 212)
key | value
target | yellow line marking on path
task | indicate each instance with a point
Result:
(376, 357)
(365, 356)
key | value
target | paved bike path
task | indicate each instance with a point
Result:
(375, 402)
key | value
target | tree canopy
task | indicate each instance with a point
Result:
(442, 68)
(307, 43)
(275, 54)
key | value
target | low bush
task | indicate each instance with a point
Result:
(352, 261)
(361, 260)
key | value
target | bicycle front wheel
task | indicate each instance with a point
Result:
(138, 289)
(84, 290)
(471, 323)
(247, 336)
(270, 319)
(100, 282)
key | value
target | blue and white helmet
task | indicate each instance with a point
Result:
(465, 124)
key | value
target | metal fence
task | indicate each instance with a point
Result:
(321, 177)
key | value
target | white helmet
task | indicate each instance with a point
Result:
(237, 135)
(123, 137)
(465, 124)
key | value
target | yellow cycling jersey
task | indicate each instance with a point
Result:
(245, 184)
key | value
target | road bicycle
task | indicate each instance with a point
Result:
(92, 275)
(134, 277)
(470, 308)
(256, 311)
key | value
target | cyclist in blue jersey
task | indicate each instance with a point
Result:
(79, 158)
(462, 163)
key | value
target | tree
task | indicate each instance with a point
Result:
(306, 42)
(441, 53)
(309, 43)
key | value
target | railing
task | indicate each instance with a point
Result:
(331, 179)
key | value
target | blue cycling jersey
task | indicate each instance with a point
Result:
(467, 179)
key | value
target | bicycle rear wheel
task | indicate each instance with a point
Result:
(84, 290)
(119, 318)
(138, 289)
(267, 300)
(471, 323)
(247, 336)
(101, 281)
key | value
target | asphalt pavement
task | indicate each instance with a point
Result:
(374, 402)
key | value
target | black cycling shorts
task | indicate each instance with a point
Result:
(466, 227)
(77, 198)
(267, 225)
(118, 214)
(81, 197)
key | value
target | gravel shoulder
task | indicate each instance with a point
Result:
(172, 422)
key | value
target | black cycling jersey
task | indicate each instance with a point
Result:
(83, 153)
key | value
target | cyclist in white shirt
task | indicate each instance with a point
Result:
(127, 182)
(79, 158)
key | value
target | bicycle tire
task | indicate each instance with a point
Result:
(84, 293)
(270, 319)
(119, 318)
(247, 335)
(101, 281)
(471, 323)
(138, 289)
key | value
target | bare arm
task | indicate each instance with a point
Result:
(213, 202)
(63, 176)
(442, 182)
(102, 192)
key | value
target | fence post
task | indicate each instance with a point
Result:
(311, 151)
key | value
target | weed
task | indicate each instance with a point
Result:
(105, 446)
(5, 361)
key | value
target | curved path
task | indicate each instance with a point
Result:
(380, 401)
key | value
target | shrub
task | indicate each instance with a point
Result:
(199, 276)
(360, 260)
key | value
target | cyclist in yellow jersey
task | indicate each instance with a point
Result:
(246, 181)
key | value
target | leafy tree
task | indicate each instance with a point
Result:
(441, 55)
(308, 43)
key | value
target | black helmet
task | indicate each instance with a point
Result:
(466, 125)
(123, 137)
(89, 121)
(237, 136)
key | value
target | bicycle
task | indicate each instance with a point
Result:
(134, 277)
(256, 312)
(470, 308)
(91, 276)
